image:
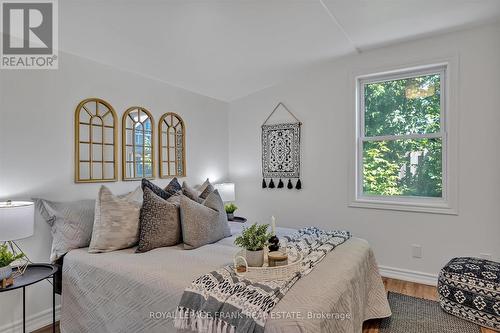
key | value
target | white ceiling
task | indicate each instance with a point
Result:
(227, 49)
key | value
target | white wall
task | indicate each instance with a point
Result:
(36, 143)
(323, 99)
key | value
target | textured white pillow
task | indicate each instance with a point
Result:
(71, 224)
(116, 223)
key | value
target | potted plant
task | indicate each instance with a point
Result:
(253, 239)
(230, 209)
(6, 258)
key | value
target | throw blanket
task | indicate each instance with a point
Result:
(222, 302)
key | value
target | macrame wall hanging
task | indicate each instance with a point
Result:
(281, 152)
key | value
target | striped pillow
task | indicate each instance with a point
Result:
(116, 223)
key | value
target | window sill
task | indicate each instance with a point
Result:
(407, 206)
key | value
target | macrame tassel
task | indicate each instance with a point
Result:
(280, 184)
(289, 185)
(298, 186)
(271, 184)
(264, 185)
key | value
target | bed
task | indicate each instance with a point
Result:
(123, 291)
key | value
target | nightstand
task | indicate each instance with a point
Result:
(35, 273)
(238, 219)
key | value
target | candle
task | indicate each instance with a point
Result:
(273, 224)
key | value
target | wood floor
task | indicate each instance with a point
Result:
(398, 286)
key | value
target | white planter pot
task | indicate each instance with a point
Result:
(255, 258)
(5, 272)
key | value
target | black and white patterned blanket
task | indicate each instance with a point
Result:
(222, 302)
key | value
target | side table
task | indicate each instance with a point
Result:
(34, 274)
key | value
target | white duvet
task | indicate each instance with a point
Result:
(123, 291)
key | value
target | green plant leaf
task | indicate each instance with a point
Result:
(253, 238)
(7, 257)
(230, 208)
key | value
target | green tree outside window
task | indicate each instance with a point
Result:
(402, 145)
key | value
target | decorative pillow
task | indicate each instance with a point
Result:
(159, 222)
(71, 224)
(202, 187)
(191, 193)
(172, 188)
(208, 189)
(176, 199)
(203, 223)
(116, 223)
(215, 202)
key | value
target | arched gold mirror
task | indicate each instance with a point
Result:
(172, 139)
(96, 150)
(137, 144)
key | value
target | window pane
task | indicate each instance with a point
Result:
(109, 171)
(403, 168)
(84, 151)
(148, 155)
(404, 106)
(148, 170)
(84, 170)
(96, 170)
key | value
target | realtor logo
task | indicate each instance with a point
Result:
(29, 31)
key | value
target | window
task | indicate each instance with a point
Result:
(401, 139)
(95, 142)
(172, 137)
(137, 140)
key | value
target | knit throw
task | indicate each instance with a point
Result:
(223, 302)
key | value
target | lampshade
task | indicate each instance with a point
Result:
(226, 191)
(16, 220)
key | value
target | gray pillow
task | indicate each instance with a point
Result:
(203, 223)
(71, 224)
(116, 223)
(208, 189)
(191, 193)
(198, 193)
(202, 187)
(159, 222)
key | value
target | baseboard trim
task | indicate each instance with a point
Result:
(33, 322)
(408, 275)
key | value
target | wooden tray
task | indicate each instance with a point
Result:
(266, 273)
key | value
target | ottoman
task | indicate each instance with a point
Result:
(469, 288)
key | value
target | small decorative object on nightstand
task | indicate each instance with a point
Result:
(34, 273)
(230, 209)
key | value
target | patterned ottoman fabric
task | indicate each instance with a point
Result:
(470, 288)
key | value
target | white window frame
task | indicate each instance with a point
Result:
(444, 204)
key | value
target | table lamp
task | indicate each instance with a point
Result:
(226, 191)
(16, 222)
